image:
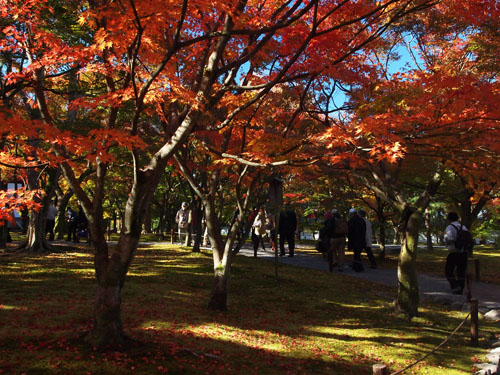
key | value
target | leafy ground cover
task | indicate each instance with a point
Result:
(303, 322)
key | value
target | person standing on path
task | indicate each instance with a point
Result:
(457, 258)
(356, 238)
(258, 230)
(72, 225)
(369, 239)
(50, 220)
(287, 226)
(338, 229)
(183, 219)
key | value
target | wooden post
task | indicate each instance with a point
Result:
(474, 322)
(469, 292)
(379, 369)
(476, 268)
(172, 235)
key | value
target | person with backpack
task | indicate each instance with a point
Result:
(369, 239)
(459, 242)
(337, 230)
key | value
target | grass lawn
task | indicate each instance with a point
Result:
(306, 322)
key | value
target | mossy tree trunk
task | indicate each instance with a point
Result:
(386, 185)
(408, 291)
(36, 234)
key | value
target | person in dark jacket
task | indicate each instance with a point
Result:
(286, 229)
(356, 238)
(457, 258)
(72, 219)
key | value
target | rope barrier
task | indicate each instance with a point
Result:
(433, 350)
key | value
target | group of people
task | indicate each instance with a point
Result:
(263, 224)
(358, 233)
(77, 223)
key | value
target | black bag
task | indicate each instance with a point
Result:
(322, 244)
(464, 241)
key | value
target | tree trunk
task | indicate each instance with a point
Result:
(382, 237)
(61, 226)
(408, 294)
(397, 235)
(196, 224)
(35, 238)
(111, 270)
(107, 330)
(218, 296)
(148, 221)
(428, 230)
(4, 234)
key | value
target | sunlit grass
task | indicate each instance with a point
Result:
(304, 322)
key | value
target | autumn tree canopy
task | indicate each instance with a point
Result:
(125, 85)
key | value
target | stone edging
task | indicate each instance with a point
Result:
(490, 311)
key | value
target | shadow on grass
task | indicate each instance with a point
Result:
(304, 322)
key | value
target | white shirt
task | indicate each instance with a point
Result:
(259, 224)
(369, 232)
(451, 234)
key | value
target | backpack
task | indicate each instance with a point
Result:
(464, 241)
(341, 226)
(184, 219)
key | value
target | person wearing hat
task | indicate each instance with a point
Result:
(183, 219)
(356, 238)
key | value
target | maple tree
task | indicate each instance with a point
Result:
(140, 77)
(440, 117)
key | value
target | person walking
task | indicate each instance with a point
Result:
(82, 225)
(457, 257)
(258, 230)
(356, 238)
(369, 239)
(183, 219)
(287, 226)
(337, 230)
(72, 225)
(271, 230)
(50, 220)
